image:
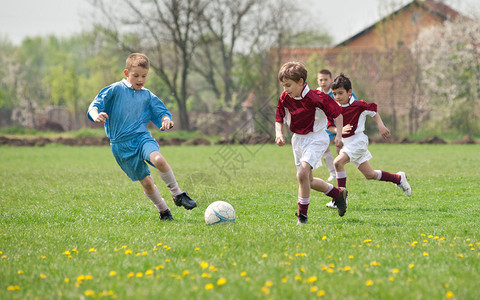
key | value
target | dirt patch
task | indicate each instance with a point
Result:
(465, 140)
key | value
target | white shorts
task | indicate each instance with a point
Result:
(356, 147)
(309, 148)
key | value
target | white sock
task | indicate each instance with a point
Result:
(171, 182)
(303, 201)
(330, 188)
(379, 174)
(328, 158)
(158, 201)
(341, 175)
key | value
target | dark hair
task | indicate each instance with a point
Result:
(325, 72)
(341, 81)
(293, 71)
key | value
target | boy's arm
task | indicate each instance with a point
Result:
(384, 132)
(98, 117)
(339, 123)
(279, 138)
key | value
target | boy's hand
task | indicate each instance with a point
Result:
(346, 129)
(166, 124)
(101, 118)
(338, 141)
(280, 140)
(384, 131)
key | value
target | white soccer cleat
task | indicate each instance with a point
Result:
(332, 177)
(404, 185)
(331, 204)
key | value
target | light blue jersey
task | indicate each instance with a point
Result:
(129, 112)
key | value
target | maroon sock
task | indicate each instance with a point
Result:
(342, 182)
(303, 209)
(334, 193)
(386, 176)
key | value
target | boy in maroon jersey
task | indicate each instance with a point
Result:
(355, 142)
(305, 111)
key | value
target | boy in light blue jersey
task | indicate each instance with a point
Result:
(126, 108)
(324, 80)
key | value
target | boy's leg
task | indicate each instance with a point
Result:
(338, 195)
(328, 158)
(303, 176)
(400, 179)
(151, 191)
(166, 174)
(340, 162)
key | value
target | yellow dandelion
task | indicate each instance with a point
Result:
(374, 263)
(206, 275)
(197, 249)
(460, 255)
(265, 290)
(264, 255)
(167, 260)
(91, 250)
(284, 279)
(149, 272)
(302, 270)
(350, 256)
(66, 280)
(131, 274)
(43, 276)
(209, 286)
(313, 289)
(221, 281)
(89, 293)
(204, 265)
(128, 252)
(449, 295)
(112, 273)
(410, 266)
(88, 277)
(159, 244)
(66, 252)
(42, 257)
(395, 271)
(347, 268)
(243, 273)
(20, 272)
(13, 288)
(367, 241)
(139, 274)
(330, 270)
(425, 253)
(159, 267)
(391, 278)
(80, 277)
(144, 253)
(185, 273)
(312, 279)
(234, 264)
(298, 277)
(269, 283)
(321, 293)
(324, 237)
(369, 283)
(414, 243)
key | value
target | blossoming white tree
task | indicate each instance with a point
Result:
(449, 69)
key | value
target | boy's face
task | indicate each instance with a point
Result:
(341, 95)
(136, 76)
(292, 88)
(324, 82)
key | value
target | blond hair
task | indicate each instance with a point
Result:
(137, 60)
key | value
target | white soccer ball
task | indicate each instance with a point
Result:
(219, 212)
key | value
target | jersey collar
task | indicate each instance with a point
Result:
(305, 90)
(128, 84)
(350, 101)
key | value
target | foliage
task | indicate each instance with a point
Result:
(449, 60)
(82, 229)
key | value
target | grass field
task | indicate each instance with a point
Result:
(72, 226)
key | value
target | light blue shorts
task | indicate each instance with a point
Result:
(134, 154)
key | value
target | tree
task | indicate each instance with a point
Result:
(167, 30)
(449, 60)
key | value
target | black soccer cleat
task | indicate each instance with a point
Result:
(184, 200)
(341, 202)
(166, 215)
(301, 219)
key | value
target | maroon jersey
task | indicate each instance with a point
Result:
(307, 113)
(355, 114)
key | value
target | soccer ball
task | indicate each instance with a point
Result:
(219, 212)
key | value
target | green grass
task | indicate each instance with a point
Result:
(56, 199)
